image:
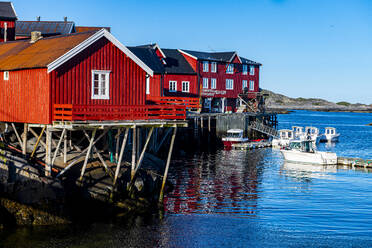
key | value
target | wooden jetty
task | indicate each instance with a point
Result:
(354, 162)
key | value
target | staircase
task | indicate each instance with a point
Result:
(264, 129)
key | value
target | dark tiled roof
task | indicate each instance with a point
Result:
(47, 28)
(25, 55)
(176, 63)
(7, 11)
(149, 57)
(84, 29)
(250, 62)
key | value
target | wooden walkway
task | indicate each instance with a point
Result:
(355, 162)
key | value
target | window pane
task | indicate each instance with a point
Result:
(95, 91)
(96, 76)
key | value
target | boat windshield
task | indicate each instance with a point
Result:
(234, 135)
(305, 146)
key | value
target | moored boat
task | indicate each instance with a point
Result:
(233, 136)
(305, 152)
(330, 135)
(285, 136)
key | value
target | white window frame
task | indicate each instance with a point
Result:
(205, 66)
(213, 83)
(251, 85)
(205, 83)
(6, 75)
(214, 67)
(251, 70)
(244, 84)
(100, 96)
(230, 69)
(173, 89)
(229, 84)
(185, 86)
(245, 69)
(147, 85)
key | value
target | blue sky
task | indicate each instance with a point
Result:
(307, 48)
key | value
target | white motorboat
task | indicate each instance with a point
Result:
(233, 136)
(298, 132)
(285, 136)
(305, 152)
(330, 135)
(311, 133)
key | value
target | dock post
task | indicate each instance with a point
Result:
(88, 154)
(48, 153)
(24, 138)
(120, 157)
(134, 149)
(65, 148)
(201, 122)
(167, 165)
(209, 124)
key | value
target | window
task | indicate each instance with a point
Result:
(172, 86)
(251, 70)
(245, 69)
(100, 85)
(230, 69)
(214, 67)
(229, 84)
(147, 85)
(244, 84)
(213, 83)
(185, 86)
(6, 75)
(205, 66)
(205, 83)
(251, 85)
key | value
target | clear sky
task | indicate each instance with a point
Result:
(314, 48)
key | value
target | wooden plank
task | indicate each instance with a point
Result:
(120, 157)
(37, 136)
(88, 154)
(38, 141)
(58, 146)
(16, 133)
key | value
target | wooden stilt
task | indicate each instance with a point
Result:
(37, 136)
(24, 138)
(48, 153)
(120, 157)
(16, 133)
(65, 148)
(88, 154)
(165, 136)
(134, 149)
(76, 159)
(209, 124)
(201, 122)
(143, 151)
(167, 164)
(38, 141)
(117, 145)
(58, 146)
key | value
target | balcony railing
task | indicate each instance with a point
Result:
(74, 112)
(191, 103)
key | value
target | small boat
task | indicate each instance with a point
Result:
(305, 152)
(311, 133)
(233, 136)
(330, 135)
(285, 136)
(298, 132)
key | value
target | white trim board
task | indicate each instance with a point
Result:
(96, 36)
(187, 54)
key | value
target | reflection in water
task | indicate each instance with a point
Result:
(307, 171)
(225, 182)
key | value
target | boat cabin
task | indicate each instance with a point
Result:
(303, 146)
(330, 130)
(311, 130)
(234, 133)
(286, 134)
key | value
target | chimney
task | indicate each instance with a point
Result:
(65, 18)
(35, 36)
(38, 18)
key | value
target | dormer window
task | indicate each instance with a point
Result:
(205, 66)
(6, 75)
(230, 69)
(251, 70)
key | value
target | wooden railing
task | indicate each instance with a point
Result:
(191, 103)
(73, 112)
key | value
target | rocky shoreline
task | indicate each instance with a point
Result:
(280, 103)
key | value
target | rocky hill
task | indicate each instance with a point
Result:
(280, 102)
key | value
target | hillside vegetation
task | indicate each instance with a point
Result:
(281, 102)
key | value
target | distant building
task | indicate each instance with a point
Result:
(8, 18)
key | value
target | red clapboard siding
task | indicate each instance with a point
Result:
(192, 79)
(72, 82)
(193, 62)
(155, 85)
(25, 96)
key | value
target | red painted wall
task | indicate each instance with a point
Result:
(25, 97)
(155, 85)
(72, 82)
(10, 30)
(193, 62)
(221, 77)
(193, 85)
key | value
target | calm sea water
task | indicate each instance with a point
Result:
(245, 199)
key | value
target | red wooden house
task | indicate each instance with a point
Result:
(8, 17)
(75, 77)
(222, 77)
